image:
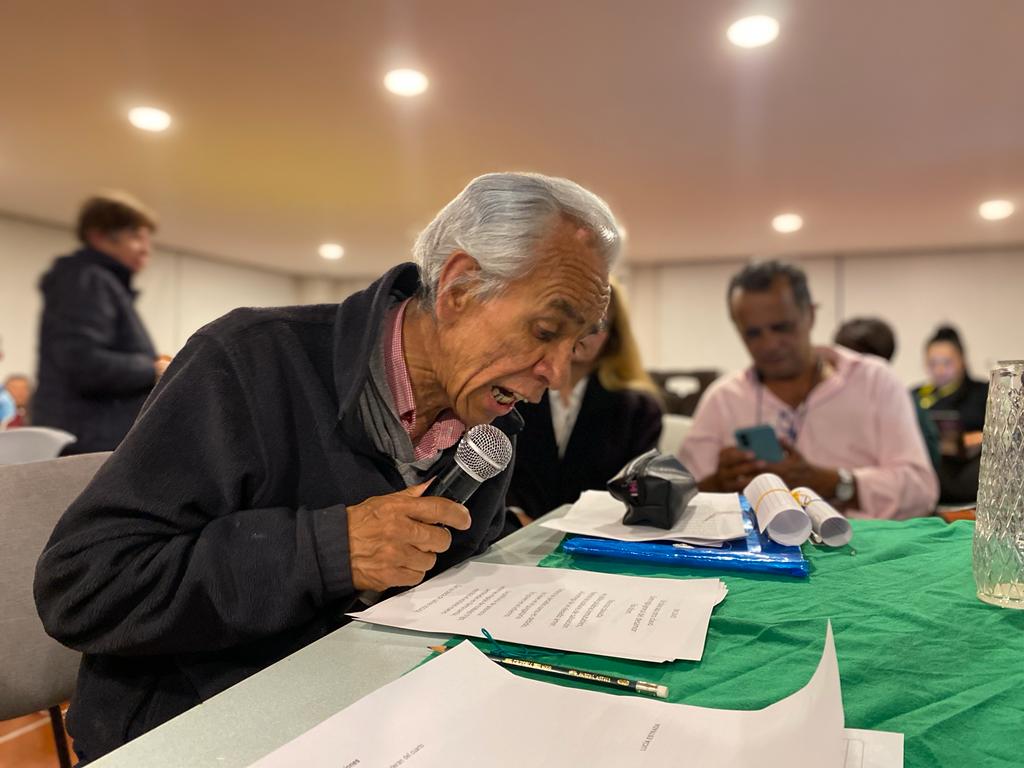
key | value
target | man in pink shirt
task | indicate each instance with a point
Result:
(844, 420)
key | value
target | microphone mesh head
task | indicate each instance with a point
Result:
(484, 451)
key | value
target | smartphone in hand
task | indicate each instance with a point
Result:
(761, 441)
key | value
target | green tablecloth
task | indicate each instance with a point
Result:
(918, 652)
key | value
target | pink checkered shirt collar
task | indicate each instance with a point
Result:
(446, 429)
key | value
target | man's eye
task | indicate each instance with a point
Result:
(545, 335)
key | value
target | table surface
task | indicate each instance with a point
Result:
(253, 718)
(918, 653)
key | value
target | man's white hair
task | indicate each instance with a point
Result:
(499, 219)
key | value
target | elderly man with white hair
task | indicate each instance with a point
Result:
(276, 472)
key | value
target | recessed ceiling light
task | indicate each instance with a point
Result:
(331, 251)
(787, 222)
(994, 210)
(406, 82)
(753, 31)
(149, 119)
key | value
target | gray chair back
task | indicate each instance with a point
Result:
(36, 672)
(24, 444)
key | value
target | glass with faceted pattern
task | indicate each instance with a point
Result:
(999, 531)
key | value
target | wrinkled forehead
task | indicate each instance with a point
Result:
(571, 276)
(587, 315)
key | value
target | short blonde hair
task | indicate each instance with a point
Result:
(619, 365)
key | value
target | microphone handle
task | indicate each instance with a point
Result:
(454, 483)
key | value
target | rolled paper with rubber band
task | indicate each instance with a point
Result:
(779, 515)
(830, 526)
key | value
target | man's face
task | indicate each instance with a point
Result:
(945, 365)
(519, 343)
(130, 246)
(776, 332)
(20, 390)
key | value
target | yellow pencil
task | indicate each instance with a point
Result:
(622, 683)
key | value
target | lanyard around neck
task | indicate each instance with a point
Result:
(799, 414)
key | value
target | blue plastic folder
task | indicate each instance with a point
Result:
(755, 553)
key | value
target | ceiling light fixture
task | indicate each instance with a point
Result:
(787, 223)
(406, 82)
(331, 251)
(994, 210)
(149, 119)
(753, 31)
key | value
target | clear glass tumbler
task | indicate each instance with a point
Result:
(999, 531)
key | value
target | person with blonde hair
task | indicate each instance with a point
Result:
(578, 437)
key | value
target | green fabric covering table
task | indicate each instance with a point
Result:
(918, 652)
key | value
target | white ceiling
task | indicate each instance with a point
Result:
(883, 123)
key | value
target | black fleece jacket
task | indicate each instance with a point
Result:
(214, 541)
(95, 357)
(612, 427)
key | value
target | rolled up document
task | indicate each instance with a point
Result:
(831, 527)
(779, 515)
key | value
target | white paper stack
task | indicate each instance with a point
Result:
(455, 711)
(626, 617)
(708, 520)
(779, 515)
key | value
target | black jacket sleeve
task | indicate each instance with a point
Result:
(83, 336)
(162, 553)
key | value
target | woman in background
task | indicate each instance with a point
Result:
(951, 395)
(950, 386)
(577, 438)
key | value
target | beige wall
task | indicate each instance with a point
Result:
(681, 319)
(179, 293)
(679, 309)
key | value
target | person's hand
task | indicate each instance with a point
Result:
(160, 365)
(393, 540)
(736, 468)
(796, 472)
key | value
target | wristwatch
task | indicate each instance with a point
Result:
(846, 487)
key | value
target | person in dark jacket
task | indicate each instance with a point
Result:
(950, 391)
(273, 480)
(97, 364)
(577, 438)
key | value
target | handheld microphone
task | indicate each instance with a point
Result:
(483, 452)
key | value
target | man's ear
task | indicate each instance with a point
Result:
(813, 311)
(94, 238)
(458, 275)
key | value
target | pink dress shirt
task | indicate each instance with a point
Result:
(446, 429)
(859, 418)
